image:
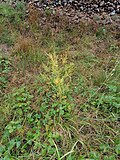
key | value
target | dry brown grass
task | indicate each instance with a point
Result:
(23, 44)
(33, 15)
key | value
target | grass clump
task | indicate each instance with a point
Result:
(13, 15)
(10, 20)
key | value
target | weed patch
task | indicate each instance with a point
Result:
(5, 67)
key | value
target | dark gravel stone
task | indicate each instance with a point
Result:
(89, 8)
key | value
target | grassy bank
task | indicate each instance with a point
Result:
(59, 88)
